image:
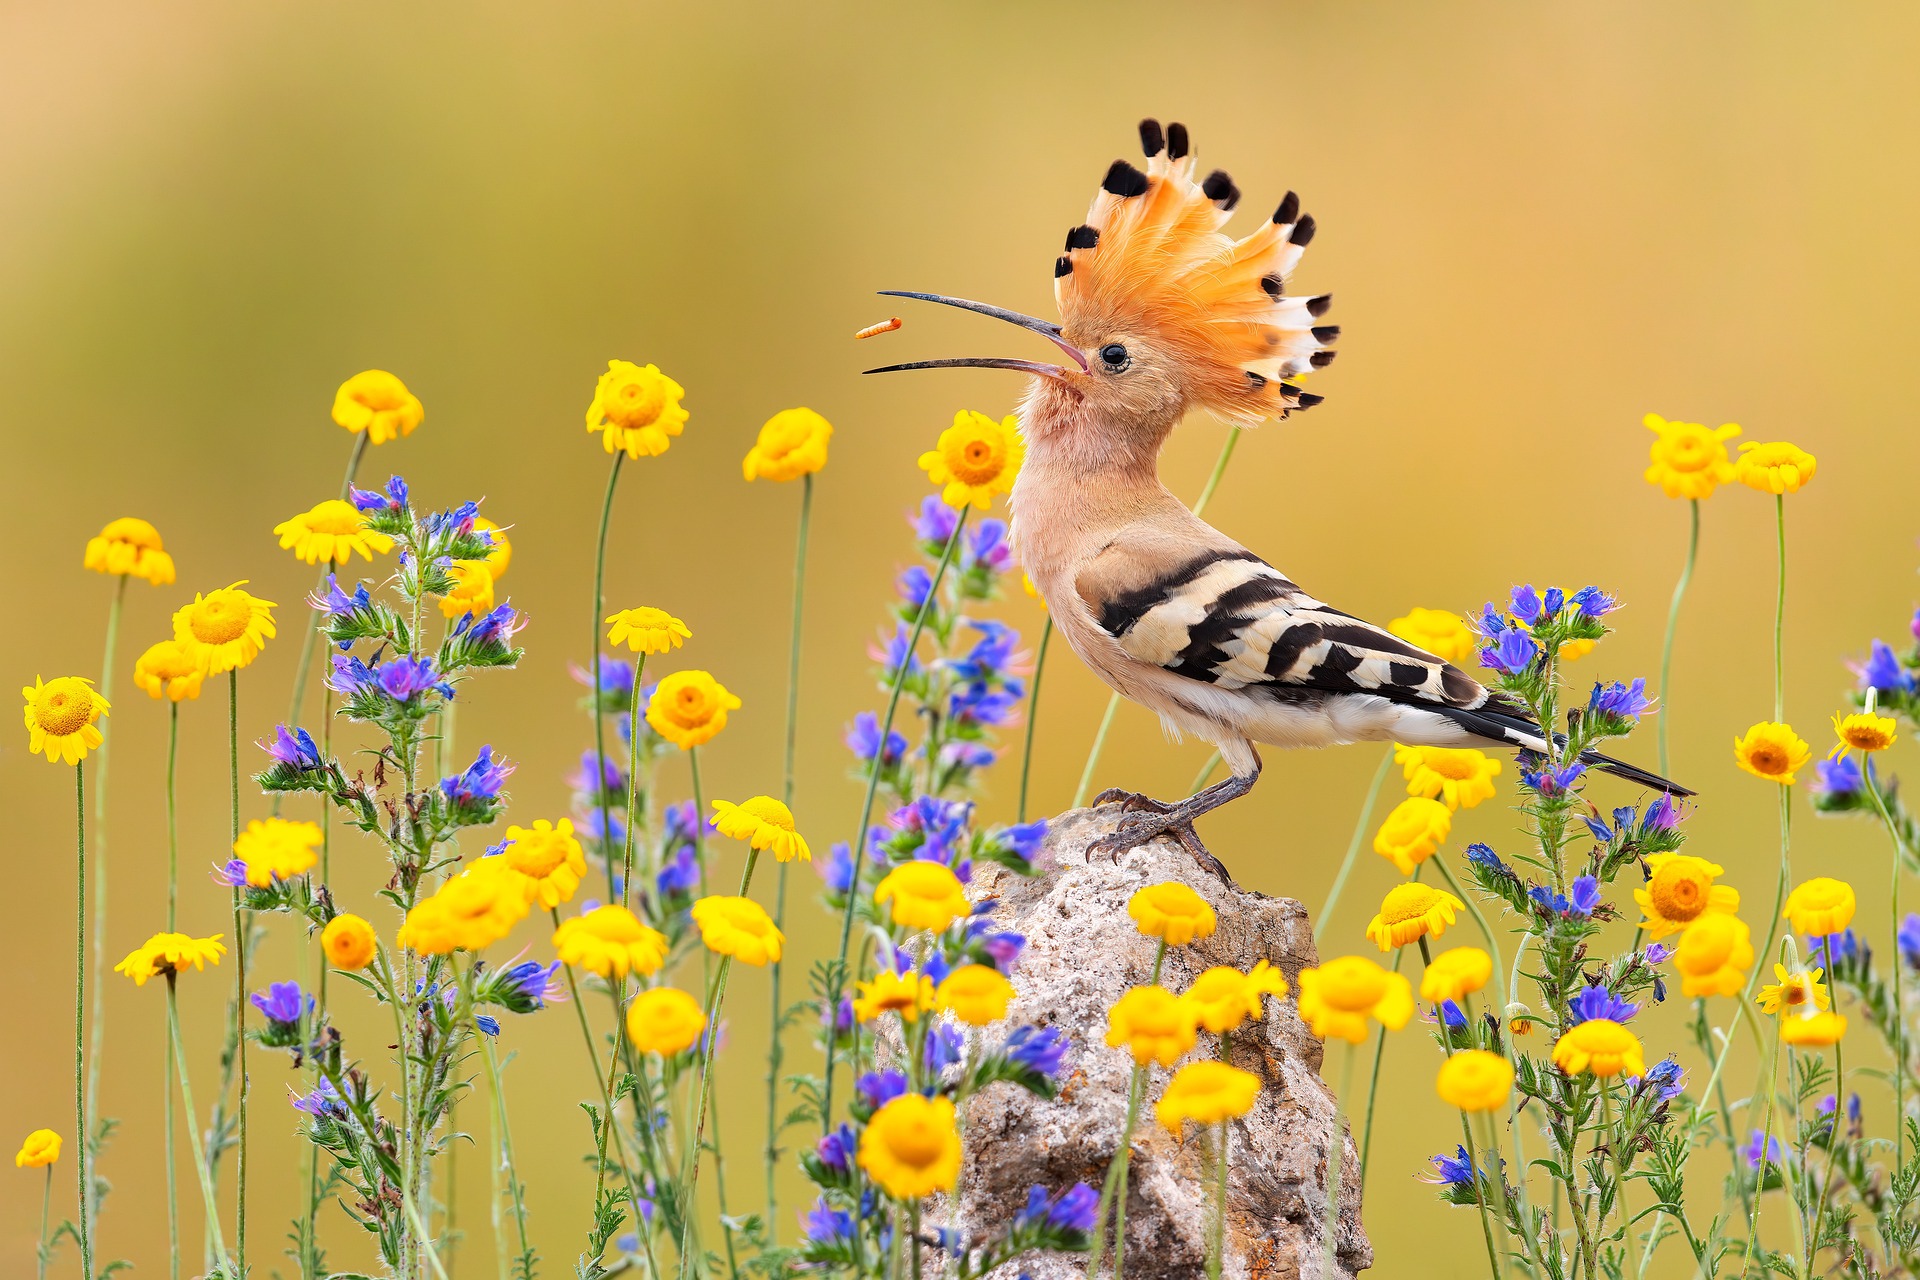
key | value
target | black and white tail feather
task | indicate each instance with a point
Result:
(1229, 620)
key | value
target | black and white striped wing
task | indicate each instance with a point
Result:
(1231, 620)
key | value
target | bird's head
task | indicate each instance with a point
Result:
(1161, 311)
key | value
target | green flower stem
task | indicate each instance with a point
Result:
(839, 984)
(1899, 968)
(506, 1132)
(46, 1210)
(611, 1123)
(1779, 612)
(1479, 1195)
(166, 1056)
(305, 666)
(208, 1202)
(1486, 928)
(96, 1033)
(1033, 713)
(1379, 1053)
(1673, 626)
(599, 715)
(1619, 1172)
(1113, 702)
(1217, 1237)
(690, 1158)
(1353, 847)
(1766, 1144)
(80, 1019)
(776, 1050)
(1113, 1191)
(1207, 767)
(239, 972)
(633, 781)
(1833, 1137)
(310, 1225)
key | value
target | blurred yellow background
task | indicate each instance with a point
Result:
(1538, 221)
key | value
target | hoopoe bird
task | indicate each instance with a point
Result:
(1161, 312)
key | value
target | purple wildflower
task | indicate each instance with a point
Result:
(294, 748)
(1512, 653)
(480, 782)
(863, 739)
(1037, 1048)
(936, 520)
(1592, 602)
(1598, 1002)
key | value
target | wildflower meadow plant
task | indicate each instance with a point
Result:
(1578, 1130)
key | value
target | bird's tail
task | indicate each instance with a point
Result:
(1492, 721)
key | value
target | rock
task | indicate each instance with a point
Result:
(1083, 951)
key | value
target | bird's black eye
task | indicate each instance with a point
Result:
(1115, 356)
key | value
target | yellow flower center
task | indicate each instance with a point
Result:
(335, 517)
(169, 660)
(1767, 758)
(1796, 992)
(636, 402)
(380, 394)
(1690, 450)
(1407, 902)
(1453, 765)
(1679, 893)
(691, 705)
(1352, 988)
(219, 619)
(133, 533)
(61, 711)
(535, 856)
(915, 1141)
(978, 459)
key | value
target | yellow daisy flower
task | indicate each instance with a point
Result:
(1206, 1093)
(1475, 1080)
(166, 953)
(277, 849)
(1413, 911)
(611, 942)
(1714, 955)
(1679, 890)
(664, 1020)
(172, 669)
(907, 994)
(911, 1147)
(1459, 777)
(379, 404)
(130, 546)
(1821, 906)
(1223, 997)
(470, 912)
(764, 823)
(234, 626)
(1817, 1031)
(1574, 650)
(647, 630)
(1862, 731)
(792, 443)
(738, 927)
(63, 716)
(1456, 974)
(472, 590)
(1776, 467)
(1772, 751)
(1413, 832)
(1171, 912)
(1441, 632)
(636, 408)
(41, 1148)
(332, 531)
(349, 942)
(1689, 460)
(922, 895)
(1799, 992)
(975, 458)
(1337, 998)
(1600, 1047)
(1153, 1024)
(689, 708)
(501, 554)
(976, 994)
(548, 859)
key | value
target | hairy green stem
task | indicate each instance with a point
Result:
(80, 1162)
(1033, 715)
(1113, 1191)
(1353, 848)
(1673, 627)
(839, 983)
(173, 905)
(239, 973)
(599, 715)
(209, 1203)
(97, 1032)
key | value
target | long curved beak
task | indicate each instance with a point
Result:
(1045, 328)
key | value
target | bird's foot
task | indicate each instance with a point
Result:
(1132, 801)
(1166, 820)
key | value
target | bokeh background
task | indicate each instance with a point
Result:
(1539, 223)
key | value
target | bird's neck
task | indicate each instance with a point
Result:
(1064, 431)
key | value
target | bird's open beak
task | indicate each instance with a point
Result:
(1045, 328)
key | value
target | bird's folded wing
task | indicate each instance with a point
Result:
(1233, 621)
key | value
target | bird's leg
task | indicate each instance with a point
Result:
(1131, 800)
(1177, 820)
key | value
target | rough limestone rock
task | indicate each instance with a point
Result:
(1082, 952)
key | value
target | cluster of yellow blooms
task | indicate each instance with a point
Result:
(1689, 460)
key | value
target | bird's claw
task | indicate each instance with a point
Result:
(1138, 829)
(1132, 801)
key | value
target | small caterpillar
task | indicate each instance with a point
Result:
(885, 326)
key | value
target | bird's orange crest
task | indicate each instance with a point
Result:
(1153, 257)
